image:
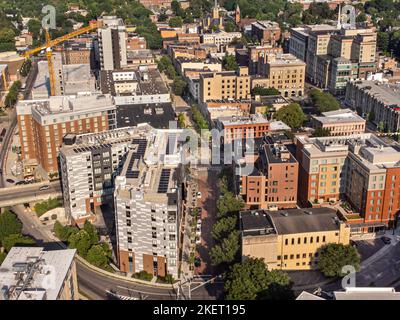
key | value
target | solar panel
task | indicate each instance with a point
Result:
(164, 180)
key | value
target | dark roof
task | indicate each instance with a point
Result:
(131, 115)
(292, 221)
(255, 223)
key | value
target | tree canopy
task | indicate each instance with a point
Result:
(250, 280)
(262, 91)
(334, 256)
(9, 224)
(229, 63)
(323, 101)
(292, 115)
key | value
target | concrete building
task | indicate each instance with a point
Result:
(152, 4)
(273, 183)
(283, 72)
(43, 123)
(253, 126)
(4, 80)
(379, 101)
(41, 85)
(112, 43)
(135, 42)
(267, 32)
(14, 62)
(214, 109)
(225, 85)
(343, 122)
(148, 202)
(254, 53)
(220, 37)
(30, 273)
(290, 239)
(360, 169)
(334, 55)
(182, 64)
(140, 96)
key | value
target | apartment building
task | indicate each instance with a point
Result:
(290, 239)
(361, 168)
(254, 52)
(112, 43)
(225, 85)
(252, 126)
(135, 42)
(220, 37)
(4, 80)
(267, 32)
(379, 101)
(140, 96)
(273, 183)
(42, 124)
(182, 63)
(283, 72)
(214, 109)
(343, 122)
(31, 273)
(334, 55)
(148, 200)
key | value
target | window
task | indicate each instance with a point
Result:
(323, 238)
(286, 242)
(305, 239)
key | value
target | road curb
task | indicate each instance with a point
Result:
(132, 280)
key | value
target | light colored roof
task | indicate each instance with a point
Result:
(47, 280)
(367, 294)
(308, 296)
(339, 116)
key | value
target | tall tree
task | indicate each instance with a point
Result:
(292, 115)
(9, 224)
(227, 251)
(250, 280)
(334, 256)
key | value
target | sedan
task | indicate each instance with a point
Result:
(386, 240)
(10, 181)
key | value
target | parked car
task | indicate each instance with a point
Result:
(199, 195)
(198, 231)
(198, 240)
(197, 262)
(46, 187)
(10, 180)
(386, 240)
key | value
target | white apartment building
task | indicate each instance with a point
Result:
(147, 198)
(112, 43)
(220, 37)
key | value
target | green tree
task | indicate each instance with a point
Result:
(371, 116)
(181, 120)
(18, 240)
(35, 27)
(321, 132)
(9, 224)
(7, 42)
(229, 63)
(26, 67)
(175, 22)
(81, 242)
(381, 126)
(97, 257)
(92, 232)
(323, 101)
(227, 251)
(2, 257)
(178, 86)
(292, 115)
(230, 26)
(223, 227)
(250, 280)
(64, 232)
(229, 203)
(261, 91)
(334, 256)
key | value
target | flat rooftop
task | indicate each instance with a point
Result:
(339, 116)
(51, 265)
(235, 121)
(389, 94)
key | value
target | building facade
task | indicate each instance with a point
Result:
(290, 239)
(343, 122)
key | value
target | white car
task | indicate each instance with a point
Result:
(198, 240)
(199, 195)
(198, 231)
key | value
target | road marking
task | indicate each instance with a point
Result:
(139, 291)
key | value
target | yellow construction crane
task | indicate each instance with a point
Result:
(53, 42)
